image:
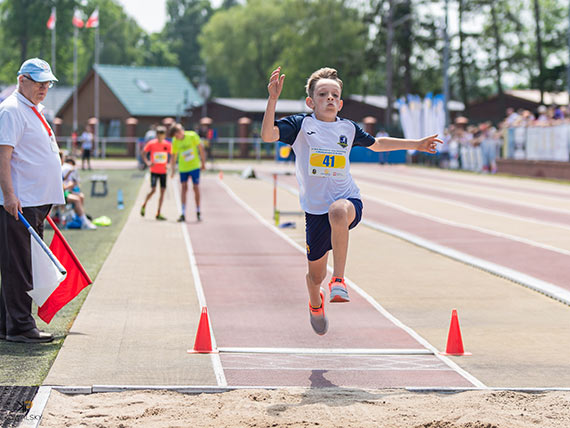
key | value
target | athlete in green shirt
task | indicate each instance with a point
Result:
(188, 152)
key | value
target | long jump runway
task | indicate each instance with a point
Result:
(253, 281)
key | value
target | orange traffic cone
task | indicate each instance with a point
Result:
(221, 175)
(203, 342)
(454, 341)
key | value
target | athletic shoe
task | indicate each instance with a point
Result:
(319, 320)
(142, 211)
(160, 217)
(181, 218)
(87, 225)
(337, 288)
(198, 216)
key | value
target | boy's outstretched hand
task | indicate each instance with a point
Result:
(275, 85)
(429, 144)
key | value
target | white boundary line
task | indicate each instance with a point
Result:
(414, 183)
(360, 291)
(34, 416)
(476, 208)
(215, 357)
(208, 389)
(548, 289)
(469, 227)
(326, 351)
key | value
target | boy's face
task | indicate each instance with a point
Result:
(325, 102)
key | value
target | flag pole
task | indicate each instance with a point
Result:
(53, 11)
(42, 244)
(96, 89)
(75, 34)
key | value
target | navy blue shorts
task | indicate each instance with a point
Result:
(195, 174)
(318, 231)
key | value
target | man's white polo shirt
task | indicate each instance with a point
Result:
(35, 163)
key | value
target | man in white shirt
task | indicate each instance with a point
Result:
(30, 183)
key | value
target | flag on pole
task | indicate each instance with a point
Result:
(93, 21)
(51, 21)
(47, 271)
(77, 279)
(77, 19)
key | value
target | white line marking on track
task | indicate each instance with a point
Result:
(468, 226)
(327, 351)
(546, 288)
(462, 192)
(360, 291)
(215, 357)
(476, 208)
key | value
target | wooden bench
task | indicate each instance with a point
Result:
(98, 179)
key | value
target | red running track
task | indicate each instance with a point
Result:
(254, 285)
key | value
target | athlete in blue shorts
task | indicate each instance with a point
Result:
(331, 200)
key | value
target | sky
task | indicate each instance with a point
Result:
(150, 14)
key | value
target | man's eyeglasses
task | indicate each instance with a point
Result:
(49, 84)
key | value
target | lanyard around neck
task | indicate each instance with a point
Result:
(41, 117)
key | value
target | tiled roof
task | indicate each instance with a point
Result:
(150, 91)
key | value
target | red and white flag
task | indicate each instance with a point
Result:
(93, 21)
(51, 21)
(75, 281)
(77, 20)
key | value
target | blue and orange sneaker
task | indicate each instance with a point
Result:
(319, 320)
(337, 288)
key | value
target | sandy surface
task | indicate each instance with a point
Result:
(310, 408)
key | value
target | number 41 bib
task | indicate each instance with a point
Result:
(327, 162)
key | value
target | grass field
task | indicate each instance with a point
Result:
(28, 364)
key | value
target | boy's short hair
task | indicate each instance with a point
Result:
(176, 128)
(321, 73)
(160, 130)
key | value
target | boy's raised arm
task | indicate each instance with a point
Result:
(387, 144)
(269, 132)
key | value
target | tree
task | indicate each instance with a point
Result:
(186, 20)
(243, 44)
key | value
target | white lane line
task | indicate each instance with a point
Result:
(326, 351)
(429, 188)
(360, 291)
(547, 288)
(34, 416)
(476, 208)
(468, 226)
(215, 357)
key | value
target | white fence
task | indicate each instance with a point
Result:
(550, 143)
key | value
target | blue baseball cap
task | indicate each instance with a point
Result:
(38, 69)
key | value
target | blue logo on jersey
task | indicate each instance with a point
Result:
(343, 141)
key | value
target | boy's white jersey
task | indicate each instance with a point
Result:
(322, 162)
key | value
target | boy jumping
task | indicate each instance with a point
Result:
(328, 195)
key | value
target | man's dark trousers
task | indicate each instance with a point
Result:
(16, 269)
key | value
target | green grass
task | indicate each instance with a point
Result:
(28, 364)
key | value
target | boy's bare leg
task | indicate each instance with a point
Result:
(341, 215)
(161, 198)
(196, 188)
(315, 277)
(183, 191)
(152, 190)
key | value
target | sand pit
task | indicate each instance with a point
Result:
(299, 408)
